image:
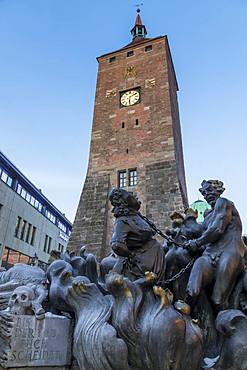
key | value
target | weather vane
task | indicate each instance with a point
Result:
(138, 7)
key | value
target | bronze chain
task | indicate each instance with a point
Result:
(159, 232)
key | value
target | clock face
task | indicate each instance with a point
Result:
(130, 98)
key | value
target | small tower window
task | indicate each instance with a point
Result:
(148, 48)
(137, 122)
(112, 59)
(133, 177)
(130, 53)
(122, 179)
(140, 30)
(123, 124)
(127, 151)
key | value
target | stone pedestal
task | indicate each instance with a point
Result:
(36, 344)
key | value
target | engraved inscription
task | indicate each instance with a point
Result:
(40, 343)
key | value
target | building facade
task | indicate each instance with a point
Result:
(136, 139)
(30, 225)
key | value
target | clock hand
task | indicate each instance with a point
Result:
(134, 95)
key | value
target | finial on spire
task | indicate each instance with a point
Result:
(139, 30)
(138, 6)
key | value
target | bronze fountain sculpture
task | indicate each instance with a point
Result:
(177, 306)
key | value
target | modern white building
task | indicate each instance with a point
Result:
(30, 225)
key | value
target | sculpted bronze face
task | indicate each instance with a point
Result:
(123, 202)
(211, 190)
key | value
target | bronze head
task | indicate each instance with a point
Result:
(123, 202)
(211, 190)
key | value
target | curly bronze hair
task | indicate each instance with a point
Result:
(217, 185)
(123, 202)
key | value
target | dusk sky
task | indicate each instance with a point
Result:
(48, 71)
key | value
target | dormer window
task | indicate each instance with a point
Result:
(112, 59)
(148, 48)
(130, 53)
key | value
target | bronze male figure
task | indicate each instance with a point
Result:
(222, 259)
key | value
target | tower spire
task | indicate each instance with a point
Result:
(139, 30)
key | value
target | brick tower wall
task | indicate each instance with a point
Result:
(92, 214)
(153, 146)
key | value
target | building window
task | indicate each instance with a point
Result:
(49, 245)
(29, 228)
(60, 247)
(9, 181)
(130, 53)
(17, 227)
(18, 189)
(133, 177)
(33, 235)
(46, 243)
(123, 124)
(137, 122)
(112, 59)
(127, 178)
(29, 198)
(62, 227)
(50, 216)
(24, 259)
(5, 257)
(32, 201)
(23, 229)
(23, 193)
(11, 257)
(5, 177)
(122, 179)
(148, 48)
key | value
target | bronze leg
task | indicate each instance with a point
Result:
(202, 274)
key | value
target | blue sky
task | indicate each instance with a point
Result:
(48, 70)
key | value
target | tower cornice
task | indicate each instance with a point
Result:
(132, 45)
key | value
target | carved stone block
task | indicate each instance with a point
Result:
(111, 93)
(150, 83)
(36, 343)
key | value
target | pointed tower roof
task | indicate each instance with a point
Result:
(139, 30)
(138, 20)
